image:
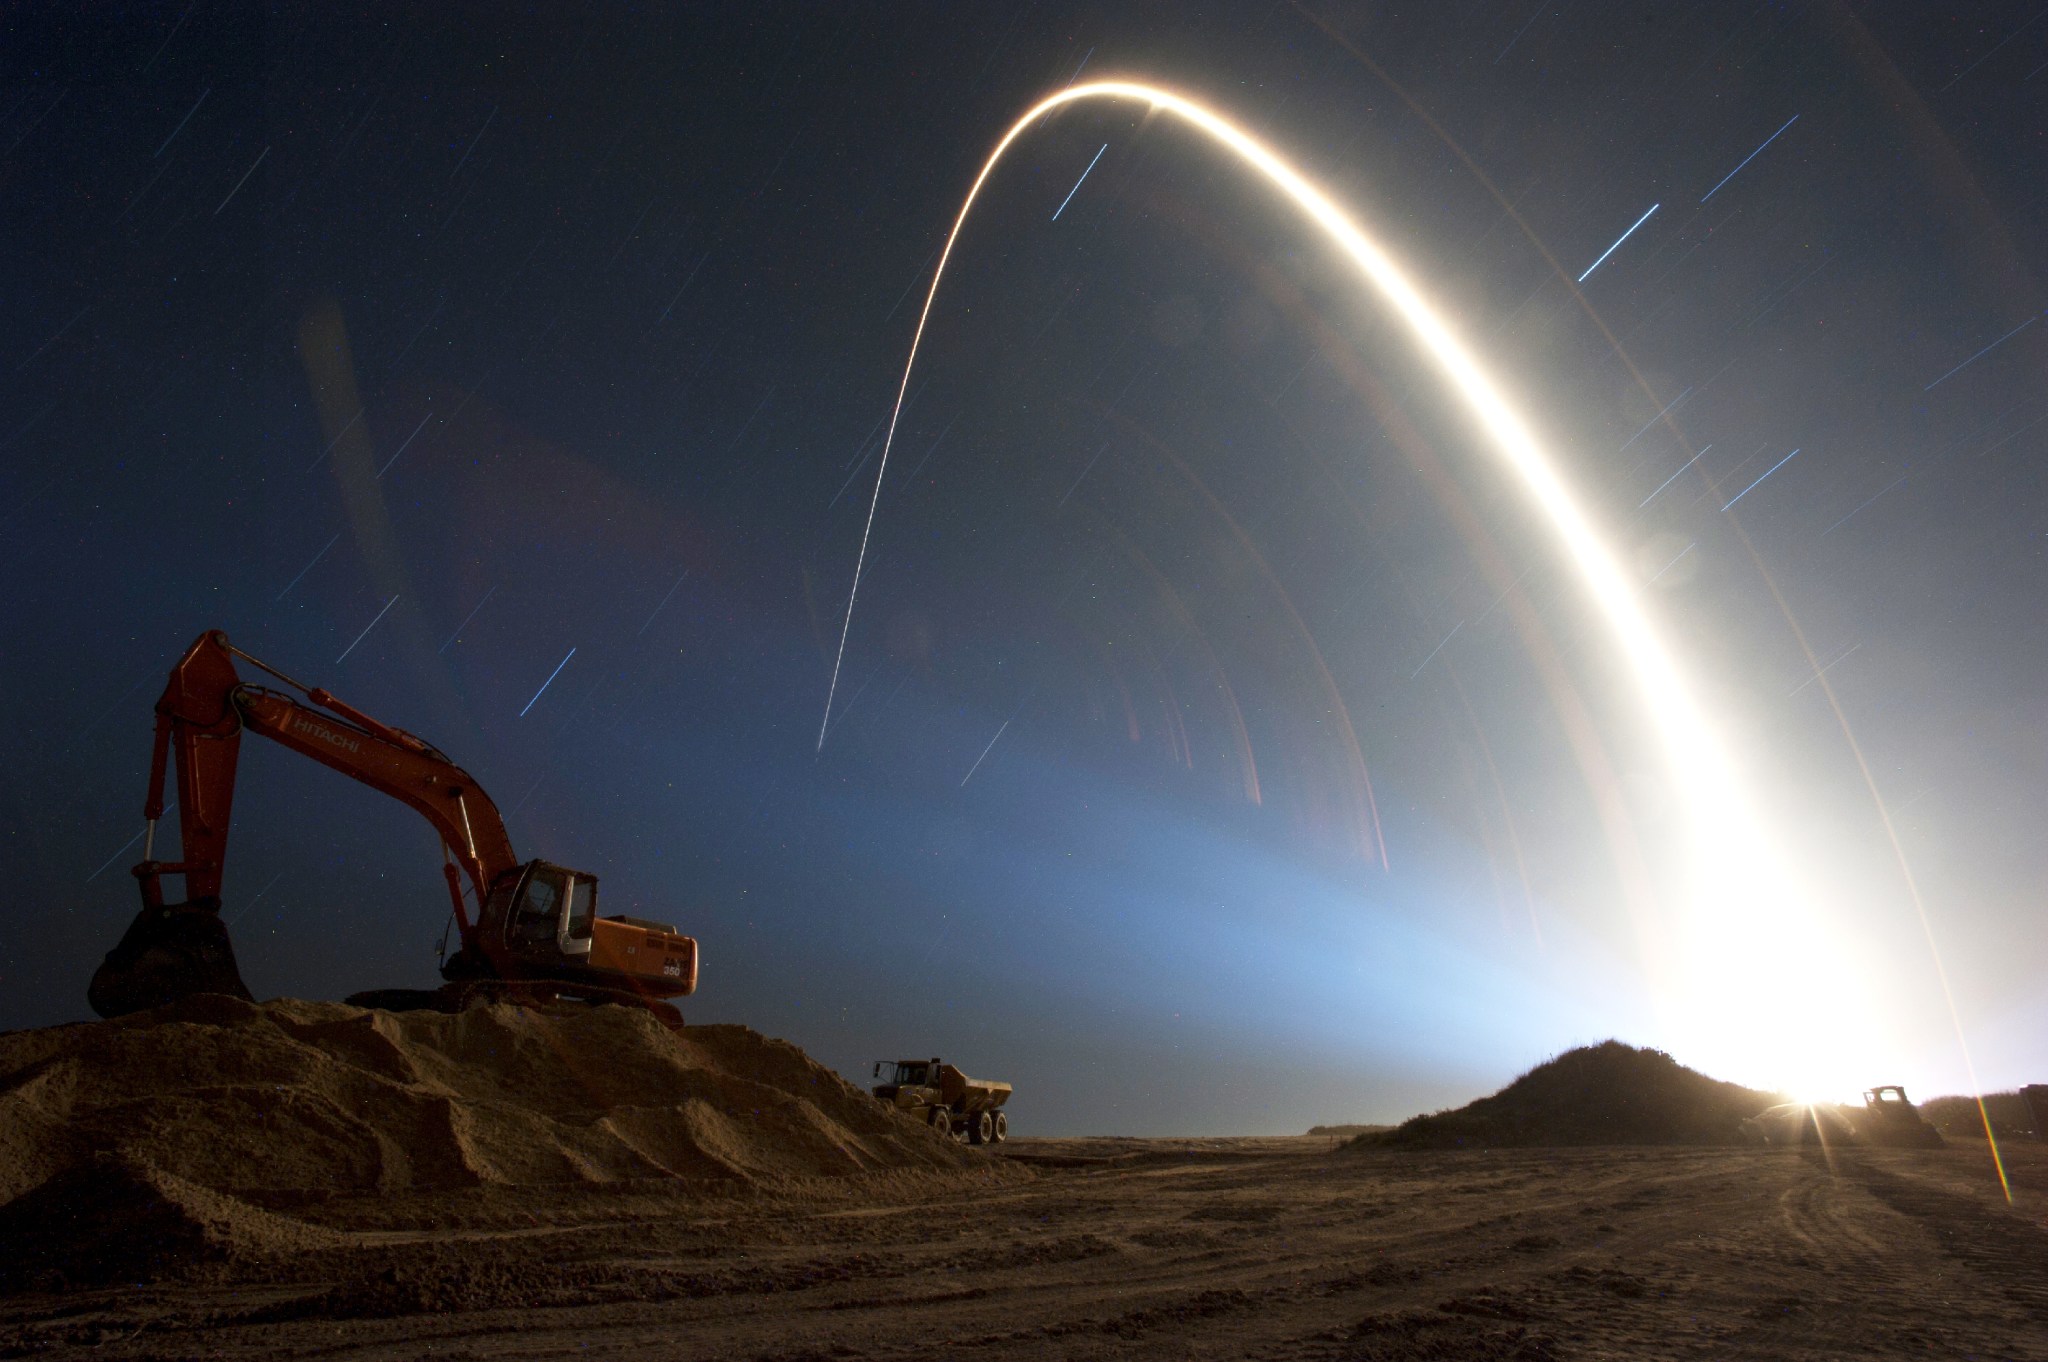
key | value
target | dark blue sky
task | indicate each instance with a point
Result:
(556, 331)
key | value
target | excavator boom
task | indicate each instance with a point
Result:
(533, 921)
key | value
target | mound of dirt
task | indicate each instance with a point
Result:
(108, 1221)
(158, 1136)
(1602, 1094)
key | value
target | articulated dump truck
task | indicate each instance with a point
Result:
(946, 1099)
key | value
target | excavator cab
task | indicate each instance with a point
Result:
(540, 923)
(548, 911)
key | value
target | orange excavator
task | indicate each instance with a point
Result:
(535, 935)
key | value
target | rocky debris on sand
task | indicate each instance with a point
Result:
(1602, 1094)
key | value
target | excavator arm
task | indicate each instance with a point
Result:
(536, 936)
(174, 949)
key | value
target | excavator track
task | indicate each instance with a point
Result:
(537, 995)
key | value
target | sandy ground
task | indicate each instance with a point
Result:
(1253, 1248)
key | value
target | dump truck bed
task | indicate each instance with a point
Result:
(971, 1094)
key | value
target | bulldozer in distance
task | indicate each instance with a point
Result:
(534, 935)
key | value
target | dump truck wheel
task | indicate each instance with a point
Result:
(999, 1127)
(981, 1129)
(942, 1120)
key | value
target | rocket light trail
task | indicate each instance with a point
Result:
(1743, 896)
(1618, 240)
(1751, 157)
(549, 682)
(1077, 185)
(1753, 486)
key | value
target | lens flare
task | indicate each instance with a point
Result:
(1748, 977)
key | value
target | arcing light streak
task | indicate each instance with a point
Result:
(1668, 698)
(1724, 824)
(1618, 240)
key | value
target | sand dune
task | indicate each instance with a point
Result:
(176, 1136)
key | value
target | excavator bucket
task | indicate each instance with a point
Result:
(168, 952)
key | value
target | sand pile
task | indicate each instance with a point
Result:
(1608, 1093)
(171, 1130)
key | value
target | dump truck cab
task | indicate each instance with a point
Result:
(1889, 1117)
(897, 1074)
(943, 1097)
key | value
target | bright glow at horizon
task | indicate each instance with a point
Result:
(1745, 920)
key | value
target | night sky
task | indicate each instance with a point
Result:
(1223, 743)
